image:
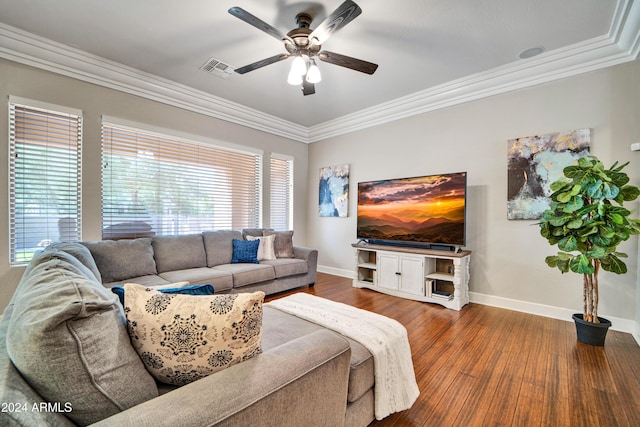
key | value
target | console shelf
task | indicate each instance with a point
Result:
(426, 275)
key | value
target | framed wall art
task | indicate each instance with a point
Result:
(334, 191)
(534, 162)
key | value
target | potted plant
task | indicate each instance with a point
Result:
(587, 221)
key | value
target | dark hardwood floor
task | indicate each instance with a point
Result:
(485, 366)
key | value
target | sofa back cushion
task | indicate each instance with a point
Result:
(67, 337)
(80, 253)
(123, 259)
(18, 396)
(179, 252)
(219, 246)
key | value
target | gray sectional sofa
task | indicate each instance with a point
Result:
(202, 258)
(66, 357)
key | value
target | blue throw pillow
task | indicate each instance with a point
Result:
(185, 290)
(245, 251)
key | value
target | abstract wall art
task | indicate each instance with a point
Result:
(334, 191)
(534, 162)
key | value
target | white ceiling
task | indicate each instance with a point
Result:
(431, 53)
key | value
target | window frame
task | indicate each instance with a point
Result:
(290, 193)
(193, 141)
(76, 118)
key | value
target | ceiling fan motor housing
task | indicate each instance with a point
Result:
(300, 37)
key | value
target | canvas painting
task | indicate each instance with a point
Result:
(334, 191)
(534, 162)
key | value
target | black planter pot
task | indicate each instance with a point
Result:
(591, 333)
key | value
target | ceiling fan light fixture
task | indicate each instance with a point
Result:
(294, 78)
(313, 75)
(299, 66)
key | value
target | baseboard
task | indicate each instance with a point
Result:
(336, 271)
(617, 324)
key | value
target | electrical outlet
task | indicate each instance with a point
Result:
(635, 147)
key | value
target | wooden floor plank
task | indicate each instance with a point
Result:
(488, 366)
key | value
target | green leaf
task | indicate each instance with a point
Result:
(619, 179)
(559, 220)
(594, 189)
(615, 218)
(564, 197)
(575, 204)
(558, 185)
(629, 193)
(574, 224)
(613, 264)
(581, 264)
(596, 252)
(609, 191)
(568, 244)
(599, 240)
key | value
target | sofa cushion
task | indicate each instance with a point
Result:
(221, 280)
(68, 339)
(182, 338)
(123, 259)
(285, 267)
(219, 246)
(14, 390)
(245, 251)
(71, 262)
(265, 249)
(283, 243)
(148, 280)
(179, 252)
(81, 253)
(279, 328)
(248, 274)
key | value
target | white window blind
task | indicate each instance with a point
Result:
(158, 184)
(44, 178)
(281, 177)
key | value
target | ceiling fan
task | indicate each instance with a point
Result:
(305, 44)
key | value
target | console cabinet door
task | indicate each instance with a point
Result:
(388, 270)
(412, 274)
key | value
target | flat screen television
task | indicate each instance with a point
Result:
(426, 211)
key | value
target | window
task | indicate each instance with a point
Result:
(281, 192)
(44, 176)
(159, 184)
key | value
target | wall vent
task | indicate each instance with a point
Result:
(217, 68)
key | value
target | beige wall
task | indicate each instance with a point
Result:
(95, 101)
(508, 256)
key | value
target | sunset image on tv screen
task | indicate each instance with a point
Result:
(427, 209)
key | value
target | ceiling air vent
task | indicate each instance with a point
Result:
(217, 68)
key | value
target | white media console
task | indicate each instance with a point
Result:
(427, 275)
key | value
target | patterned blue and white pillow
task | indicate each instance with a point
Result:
(182, 338)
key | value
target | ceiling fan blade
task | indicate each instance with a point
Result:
(340, 17)
(250, 19)
(348, 62)
(308, 88)
(261, 63)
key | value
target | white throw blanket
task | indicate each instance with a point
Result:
(395, 383)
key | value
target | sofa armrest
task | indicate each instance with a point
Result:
(265, 390)
(311, 256)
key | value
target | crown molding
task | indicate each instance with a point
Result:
(29, 49)
(622, 44)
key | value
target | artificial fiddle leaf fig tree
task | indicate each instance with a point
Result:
(587, 221)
